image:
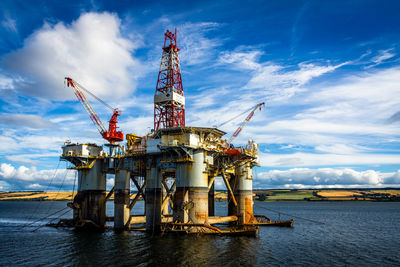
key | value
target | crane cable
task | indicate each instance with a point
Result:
(51, 205)
(40, 202)
(244, 123)
(93, 95)
(41, 219)
(300, 218)
(59, 189)
(235, 117)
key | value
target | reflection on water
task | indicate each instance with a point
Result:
(353, 234)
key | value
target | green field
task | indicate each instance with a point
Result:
(390, 194)
(289, 196)
(327, 195)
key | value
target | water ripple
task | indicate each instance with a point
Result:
(354, 234)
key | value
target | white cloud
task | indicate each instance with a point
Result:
(137, 125)
(339, 149)
(393, 179)
(207, 98)
(268, 79)
(9, 23)
(378, 90)
(41, 142)
(196, 48)
(348, 117)
(39, 145)
(6, 142)
(279, 84)
(91, 50)
(63, 119)
(247, 60)
(6, 82)
(30, 159)
(382, 56)
(6, 170)
(300, 159)
(21, 159)
(30, 178)
(326, 177)
(274, 75)
(328, 127)
(25, 120)
(35, 186)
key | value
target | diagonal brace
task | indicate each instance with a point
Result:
(139, 193)
(169, 193)
(229, 188)
(109, 195)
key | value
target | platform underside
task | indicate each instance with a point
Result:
(217, 225)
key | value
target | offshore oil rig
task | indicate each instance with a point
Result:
(173, 168)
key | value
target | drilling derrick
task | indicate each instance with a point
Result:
(169, 102)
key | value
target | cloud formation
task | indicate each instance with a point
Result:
(25, 120)
(271, 80)
(382, 56)
(326, 177)
(301, 159)
(316, 115)
(25, 178)
(9, 23)
(196, 48)
(91, 50)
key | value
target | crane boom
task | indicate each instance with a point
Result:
(243, 124)
(231, 119)
(111, 135)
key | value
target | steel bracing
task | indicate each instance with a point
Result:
(169, 106)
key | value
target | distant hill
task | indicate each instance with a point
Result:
(385, 194)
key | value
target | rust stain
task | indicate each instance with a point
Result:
(249, 217)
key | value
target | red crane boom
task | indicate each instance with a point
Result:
(112, 135)
(230, 150)
(248, 118)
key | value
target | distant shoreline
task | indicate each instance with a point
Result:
(267, 195)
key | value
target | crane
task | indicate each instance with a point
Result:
(248, 118)
(112, 135)
(230, 149)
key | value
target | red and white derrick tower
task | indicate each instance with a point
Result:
(169, 102)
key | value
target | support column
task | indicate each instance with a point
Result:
(121, 199)
(242, 186)
(153, 197)
(89, 203)
(211, 199)
(191, 196)
(232, 208)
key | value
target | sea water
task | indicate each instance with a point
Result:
(348, 233)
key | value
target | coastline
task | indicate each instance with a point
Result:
(264, 195)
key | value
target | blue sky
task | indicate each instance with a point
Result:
(328, 71)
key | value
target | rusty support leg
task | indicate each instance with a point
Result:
(121, 199)
(191, 196)
(242, 183)
(89, 203)
(153, 199)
